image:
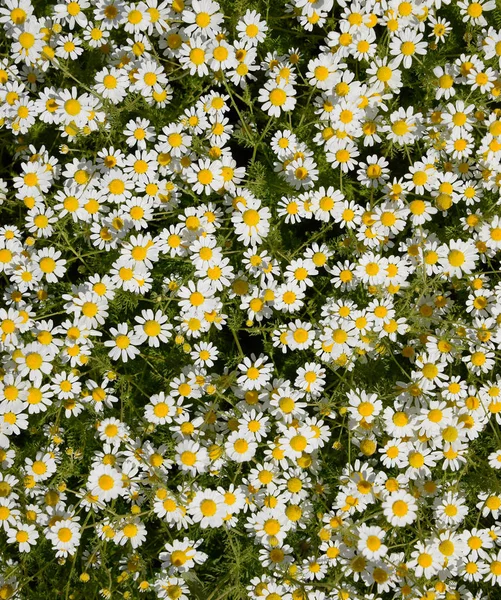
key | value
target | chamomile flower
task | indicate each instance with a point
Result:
(252, 28)
(445, 80)
(474, 11)
(27, 41)
(276, 99)
(400, 508)
(440, 28)
(105, 482)
(311, 379)
(425, 560)
(206, 176)
(192, 457)
(373, 173)
(363, 407)
(150, 78)
(208, 508)
(240, 446)
(124, 343)
(195, 56)
(43, 467)
(153, 328)
(458, 258)
(65, 537)
(370, 542)
(406, 45)
(251, 222)
(24, 535)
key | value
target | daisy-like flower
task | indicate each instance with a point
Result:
(71, 12)
(473, 12)
(222, 56)
(35, 361)
(406, 46)
(255, 425)
(203, 18)
(343, 275)
(66, 385)
(252, 28)
(301, 173)
(160, 410)
(311, 379)
(72, 108)
(363, 407)
(490, 233)
(373, 173)
(421, 211)
(65, 537)
(9, 514)
(208, 508)
(479, 360)
(204, 354)
(132, 531)
(495, 459)
(459, 116)
(342, 153)
(69, 47)
(27, 41)
(192, 457)
(174, 139)
(150, 78)
(445, 80)
(197, 297)
(42, 468)
(404, 127)
(195, 56)
(124, 343)
(451, 509)
(205, 176)
(425, 560)
(288, 207)
(139, 132)
(50, 265)
(251, 222)
(390, 218)
(300, 272)
(400, 508)
(256, 372)
(105, 482)
(40, 221)
(269, 524)
(295, 442)
(15, 12)
(430, 371)
(384, 74)
(240, 446)
(371, 269)
(440, 28)
(494, 569)
(113, 431)
(324, 201)
(458, 258)
(370, 542)
(362, 43)
(300, 335)
(182, 555)
(25, 536)
(89, 308)
(276, 99)
(323, 72)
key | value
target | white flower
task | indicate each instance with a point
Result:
(105, 482)
(124, 343)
